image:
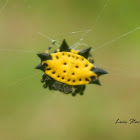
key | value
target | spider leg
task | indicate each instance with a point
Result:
(77, 90)
(43, 78)
(48, 82)
(51, 45)
(83, 87)
(46, 79)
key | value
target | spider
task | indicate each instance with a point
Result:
(68, 70)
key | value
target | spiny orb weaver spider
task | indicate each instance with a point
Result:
(68, 70)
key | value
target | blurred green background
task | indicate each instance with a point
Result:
(30, 112)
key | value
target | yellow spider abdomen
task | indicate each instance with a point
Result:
(69, 68)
